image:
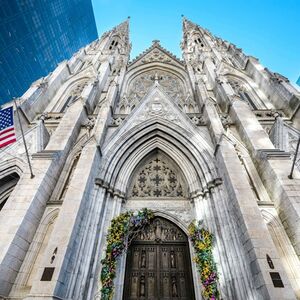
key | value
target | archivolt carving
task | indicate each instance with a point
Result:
(157, 178)
(161, 230)
(171, 84)
(7, 185)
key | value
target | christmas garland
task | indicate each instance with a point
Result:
(202, 241)
(121, 232)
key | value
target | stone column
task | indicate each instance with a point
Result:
(199, 213)
(87, 254)
(119, 281)
(209, 69)
(235, 267)
(94, 282)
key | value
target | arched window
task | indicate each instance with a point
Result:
(7, 184)
(113, 44)
(122, 109)
(74, 95)
(198, 42)
(69, 177)
(191, 108)
(243, 92)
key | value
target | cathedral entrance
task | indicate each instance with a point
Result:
(158, 264)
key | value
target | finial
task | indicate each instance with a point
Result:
(155, 41)
(128, 17)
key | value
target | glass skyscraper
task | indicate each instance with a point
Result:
(35, 35)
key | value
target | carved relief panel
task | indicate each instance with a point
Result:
(171, 84)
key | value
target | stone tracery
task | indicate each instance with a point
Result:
(171, 84)
(157, 178)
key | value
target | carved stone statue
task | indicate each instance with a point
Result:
(142, 286)
(172, 259)
(174, 287)
(143, 259)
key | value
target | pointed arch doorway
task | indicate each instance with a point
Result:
(158, 265)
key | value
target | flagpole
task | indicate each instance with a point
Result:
(294, 160)
(26, 150)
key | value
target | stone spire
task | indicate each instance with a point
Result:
(122, 31)
(188, 25)
(118, 37)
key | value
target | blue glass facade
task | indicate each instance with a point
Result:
(35, 35)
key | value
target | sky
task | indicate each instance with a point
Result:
(266, 29)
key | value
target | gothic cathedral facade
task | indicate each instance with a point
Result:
(210, 137)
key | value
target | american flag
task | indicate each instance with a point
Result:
(7, 129)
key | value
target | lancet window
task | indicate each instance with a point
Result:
(74, 95)
(113, 45)
(199, 42)
(241, 90)
(7, 185)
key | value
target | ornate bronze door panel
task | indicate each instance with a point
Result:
(158, 265)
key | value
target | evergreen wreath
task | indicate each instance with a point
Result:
(202, 241)
(122, 231)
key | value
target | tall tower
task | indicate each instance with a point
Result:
(211, 137)
(60, 112)
(248, 109)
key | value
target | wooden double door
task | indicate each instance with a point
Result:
(158, 265)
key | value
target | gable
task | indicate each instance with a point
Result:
(158, 108)
(156, 53)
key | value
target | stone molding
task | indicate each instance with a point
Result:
(46, 154)
(273, 154)
(208, 189)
